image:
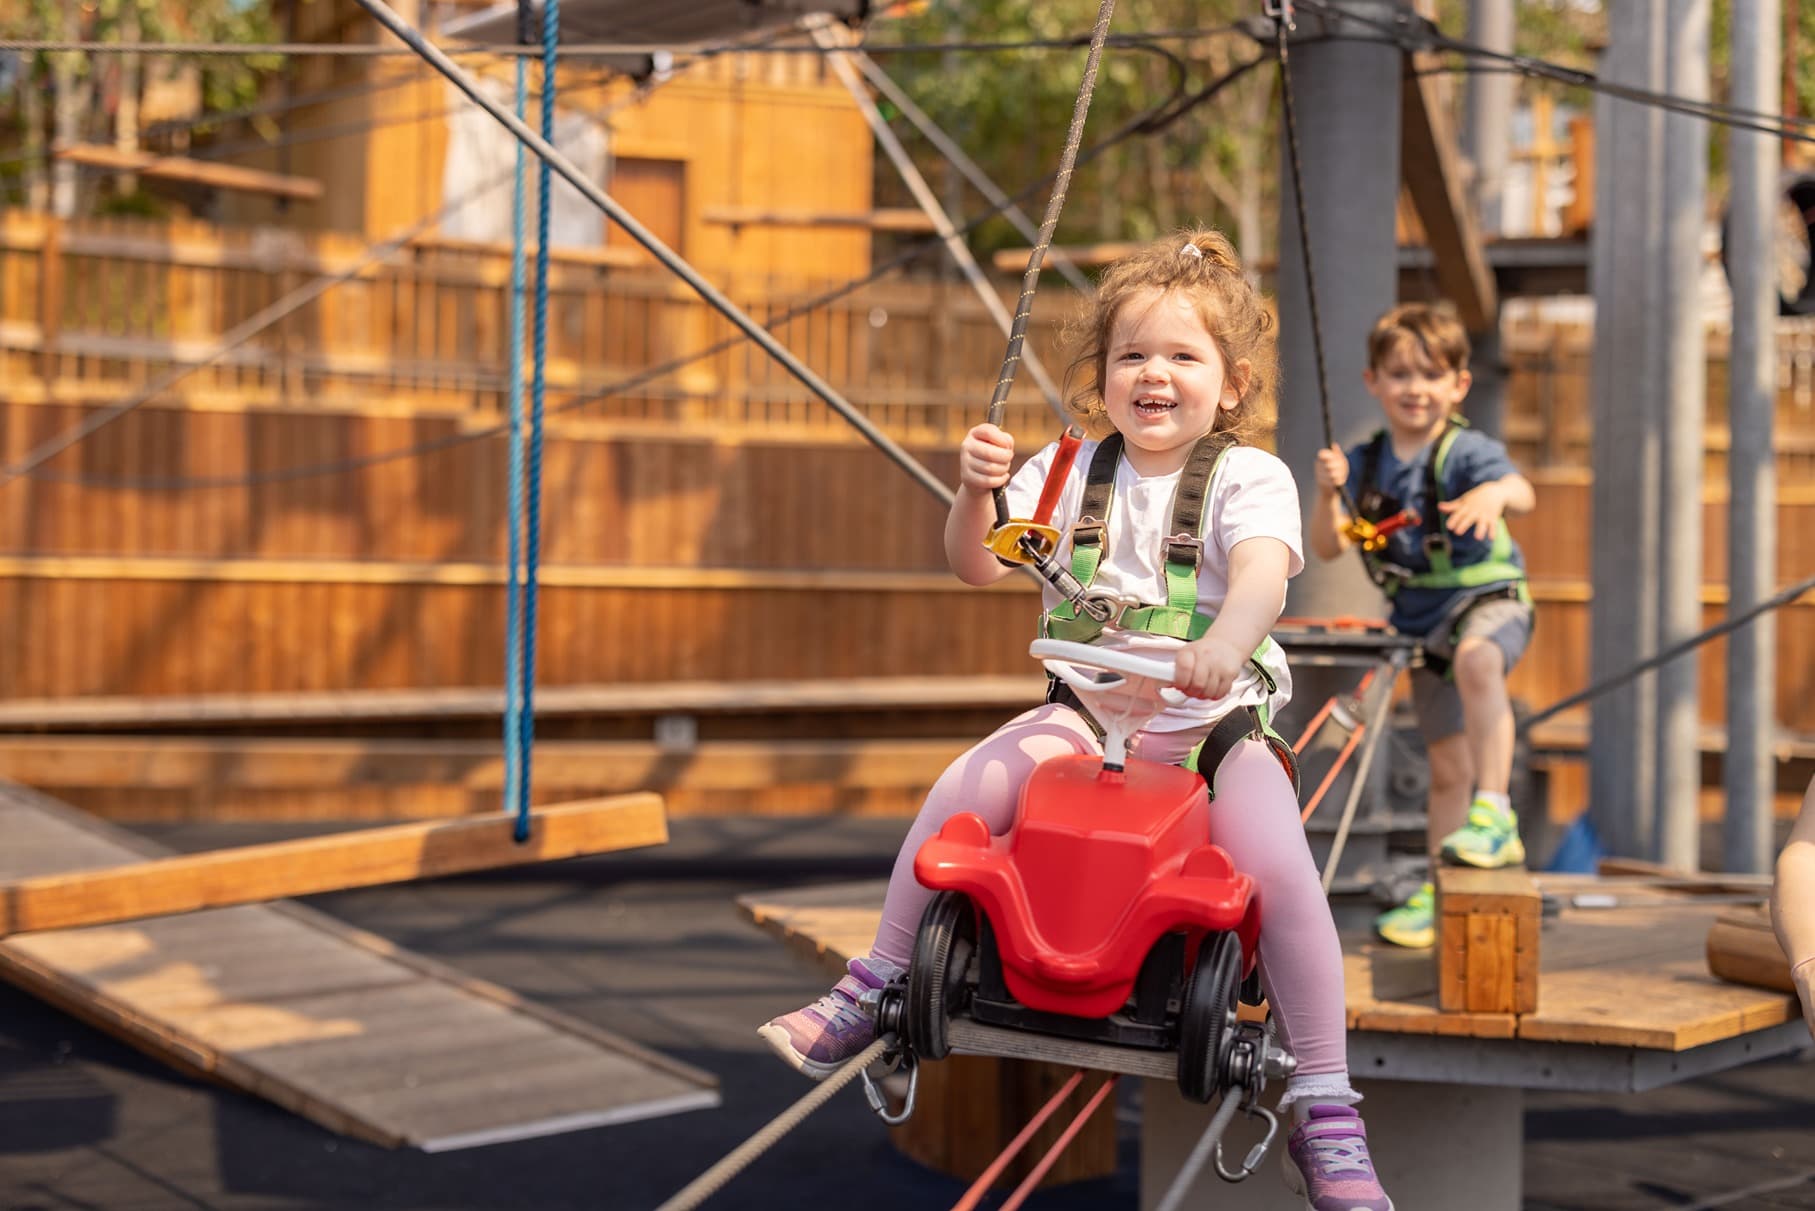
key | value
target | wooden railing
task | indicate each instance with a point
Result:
(90, 310)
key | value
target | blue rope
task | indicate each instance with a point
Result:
(532, 528)
(513, 617)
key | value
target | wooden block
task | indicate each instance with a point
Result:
(1743, 948)
(1487, 940)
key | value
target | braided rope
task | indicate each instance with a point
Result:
(1281, 27)
(708, 1183)
(1074, 135)
(532, 524)
(513, 590)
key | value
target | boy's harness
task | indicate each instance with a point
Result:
(1178, 617)
(1497, 568)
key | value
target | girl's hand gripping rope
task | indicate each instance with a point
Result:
(1033, 541)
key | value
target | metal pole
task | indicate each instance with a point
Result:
(929, 204)
(1624, 557)
(590, 190)
(1750, 768)
(1684, 361)
(1490, 104)
(1376, 725)
(1346, 92)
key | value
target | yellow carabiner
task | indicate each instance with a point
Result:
(1364, 532)
(1022, 541)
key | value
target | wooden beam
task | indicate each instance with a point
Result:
(479, 702)
(891, 218)
(364, 858)
(1084, 256)
(63, 764)
(194, 172)
(1431, 169)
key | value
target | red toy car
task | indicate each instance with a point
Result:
(1106, 913)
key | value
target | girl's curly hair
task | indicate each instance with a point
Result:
(1232, 312)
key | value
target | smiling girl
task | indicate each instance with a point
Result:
(1179, 366)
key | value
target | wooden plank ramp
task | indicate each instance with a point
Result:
(334, 1024)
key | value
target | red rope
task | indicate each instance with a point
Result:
(1317, 796)
(981, 1186)
(1323, 712)
(1052, 1154)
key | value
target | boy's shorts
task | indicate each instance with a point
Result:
(1503, 621)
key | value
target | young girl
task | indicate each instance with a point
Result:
(1182, 364)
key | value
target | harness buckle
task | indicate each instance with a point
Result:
(1438, 543)
(1192, 550)
(1088, 532)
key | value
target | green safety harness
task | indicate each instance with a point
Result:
(1179, 617)
(1497, 568)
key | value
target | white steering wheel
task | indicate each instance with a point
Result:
(1081, 665)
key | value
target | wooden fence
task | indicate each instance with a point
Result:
(713, 523)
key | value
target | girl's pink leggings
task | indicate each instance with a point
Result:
(1254, 817)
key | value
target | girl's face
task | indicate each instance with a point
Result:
(1164, 380)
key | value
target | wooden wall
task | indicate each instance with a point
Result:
(712, 524)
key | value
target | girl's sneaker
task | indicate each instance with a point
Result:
(819, 1039)
(1327, 1162)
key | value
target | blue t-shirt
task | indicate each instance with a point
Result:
(1473, 459)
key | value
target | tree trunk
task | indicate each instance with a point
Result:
(126, 115)
(31, 115)
(68, 116)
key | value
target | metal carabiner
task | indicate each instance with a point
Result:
(1104, 606)
(1256, 1154)
(1281, 10)
(879, 1101)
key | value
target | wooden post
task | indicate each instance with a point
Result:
(1743, 948)
(1487, 940)
(50, 301)
(968, 1107)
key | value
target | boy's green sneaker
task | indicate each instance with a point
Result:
(1413, 924)
(1489, 840)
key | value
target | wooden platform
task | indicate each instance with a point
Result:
(336, 1025)
(1632, 976)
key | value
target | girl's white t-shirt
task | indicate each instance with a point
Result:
(1252, 495)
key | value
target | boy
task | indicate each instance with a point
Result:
(1454, 577)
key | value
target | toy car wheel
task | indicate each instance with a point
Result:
(1207, 1019)
(936, 987)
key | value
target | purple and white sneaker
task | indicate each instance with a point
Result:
(1327, 1162)
(821, 1038)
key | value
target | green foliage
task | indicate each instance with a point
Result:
(228, 82)
(1010, 110)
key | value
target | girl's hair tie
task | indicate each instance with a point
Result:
(1192, 250)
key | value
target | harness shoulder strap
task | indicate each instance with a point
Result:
(1371, 455)
(1184, 549)
(1090, 533)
